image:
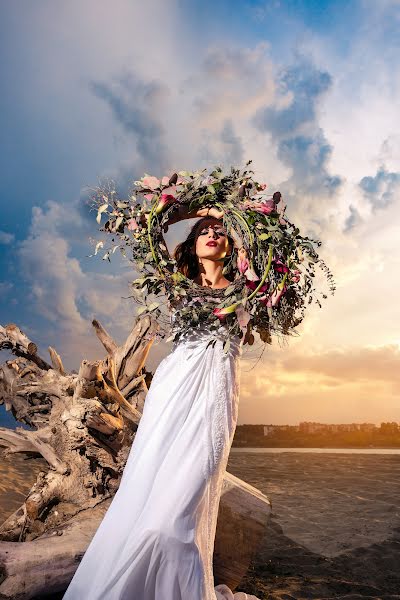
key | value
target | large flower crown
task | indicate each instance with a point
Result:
(273, 265)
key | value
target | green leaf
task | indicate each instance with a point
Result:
(139, 281)
(101, 209)
(229, 290)
(153, 306)
(227, 345)
(141, 310)
(98, 245)
(264, 236)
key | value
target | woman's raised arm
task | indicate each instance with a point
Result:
(182, 213)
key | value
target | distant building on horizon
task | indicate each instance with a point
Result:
(313, 427)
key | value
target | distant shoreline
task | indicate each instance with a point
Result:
(315, 435)
(385, 450)
(322, 447)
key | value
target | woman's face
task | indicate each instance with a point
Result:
(211, 240)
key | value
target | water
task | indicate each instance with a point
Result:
(321, 450)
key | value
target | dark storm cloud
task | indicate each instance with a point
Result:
(138, 105)
(352, 220)
(301, 143)
(308, 156)
(307, 84)
(232, 143)
(381, 189)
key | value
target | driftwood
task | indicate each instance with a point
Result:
(83, 425)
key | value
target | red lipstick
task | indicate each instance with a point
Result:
(211, 243)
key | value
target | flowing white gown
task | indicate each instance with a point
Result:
(156, 539)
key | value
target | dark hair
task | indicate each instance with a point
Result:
(187, 261)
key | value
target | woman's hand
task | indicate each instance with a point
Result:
(183, 213)
(210, 211)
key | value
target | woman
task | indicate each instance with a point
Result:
(156, 539)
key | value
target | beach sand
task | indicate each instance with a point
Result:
(17, 475)
(334, 531)
(335, 525)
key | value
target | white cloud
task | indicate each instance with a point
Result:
(68, 296)
(6, 238)
(203, 119)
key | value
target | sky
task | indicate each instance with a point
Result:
(308, 90)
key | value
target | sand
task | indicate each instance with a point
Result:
(334, 531)
(17, 475)
(335, 525)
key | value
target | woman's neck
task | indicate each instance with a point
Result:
(210, 274)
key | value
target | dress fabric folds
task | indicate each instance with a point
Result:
(156, 539)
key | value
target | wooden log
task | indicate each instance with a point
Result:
(14, 339)
(104, 337)
(47, 564)
(131, 357)
(56, 361)
(15, 441)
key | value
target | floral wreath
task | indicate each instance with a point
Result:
(273, 266)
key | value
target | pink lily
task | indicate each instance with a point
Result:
(171, 189)
(165, 180)
(264, 208)
(243, 316)
(150, 182)
(242, 260)
(222, 312)
(251, 275)
(208, 180)
(296, 275)
(149, 196)
(132, 224)
(276, 295)
(253, 284)
(165, 200)
(280, 267)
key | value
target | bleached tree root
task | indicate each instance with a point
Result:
(47, 564)
(83, 424)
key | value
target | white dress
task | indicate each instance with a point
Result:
(156, 539)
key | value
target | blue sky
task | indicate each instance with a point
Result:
(308, 90)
